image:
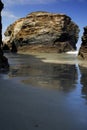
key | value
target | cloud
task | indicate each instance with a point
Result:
(22, 2)
(8, 14)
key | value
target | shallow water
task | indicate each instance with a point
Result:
(64, 77)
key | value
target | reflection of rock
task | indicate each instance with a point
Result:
(43, 31)
(84, 81)
(57, 76)
(83, 48)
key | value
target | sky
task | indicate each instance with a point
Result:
(75, 9)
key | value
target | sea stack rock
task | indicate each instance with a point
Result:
(43, 32)
(3, 60)
(83, 48)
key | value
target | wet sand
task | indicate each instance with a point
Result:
(25, 107)
(62, 58)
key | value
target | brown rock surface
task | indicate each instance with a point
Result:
(83, 48)
(43, 31)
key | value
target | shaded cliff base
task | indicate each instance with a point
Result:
(83, 49)
(4, 65)
(83, 52)
(45, 48)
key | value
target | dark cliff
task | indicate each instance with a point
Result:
(83, 48)
(3, 60)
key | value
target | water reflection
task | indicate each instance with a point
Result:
(83, 82)
(61, 105)
(63, 77)
(60, 76)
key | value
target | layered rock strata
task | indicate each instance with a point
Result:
(43, 31)
(83, 48)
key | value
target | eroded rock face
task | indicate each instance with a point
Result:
(43, 31)
(83, 48)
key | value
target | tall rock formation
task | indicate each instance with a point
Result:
(1, 7)
(43, 31)
(3, 60)
(83, 48)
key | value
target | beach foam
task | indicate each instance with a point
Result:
(72, 52)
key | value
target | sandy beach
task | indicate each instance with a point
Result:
(56, 58)
(27, 106)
